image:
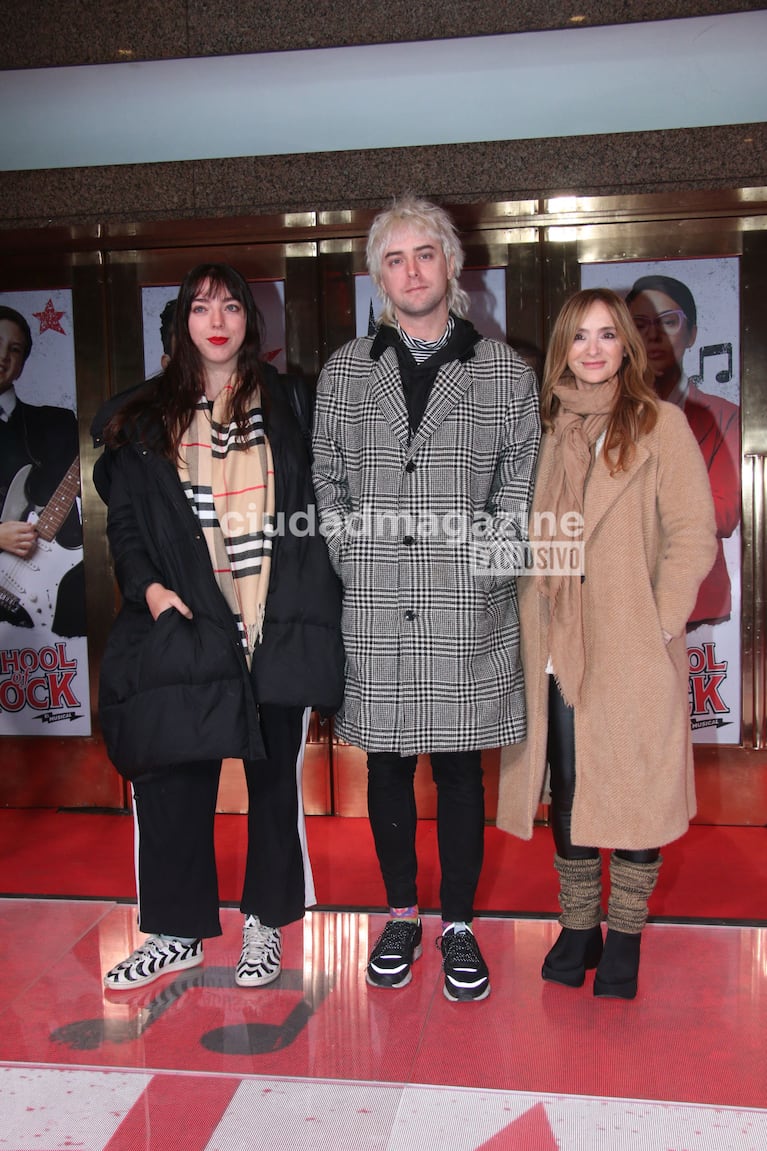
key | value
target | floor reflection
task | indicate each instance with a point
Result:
(694, 1036)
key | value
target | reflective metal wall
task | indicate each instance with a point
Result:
(542, 247)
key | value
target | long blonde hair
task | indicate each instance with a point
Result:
(636, 409)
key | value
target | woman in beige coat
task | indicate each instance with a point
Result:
(621, 484)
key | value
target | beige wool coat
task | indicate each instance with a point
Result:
(650, 539)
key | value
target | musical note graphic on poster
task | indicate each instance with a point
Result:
(725, 375)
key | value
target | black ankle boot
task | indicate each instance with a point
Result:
(618, 969)
(573, 952)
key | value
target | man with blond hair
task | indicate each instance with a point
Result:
(425, 442)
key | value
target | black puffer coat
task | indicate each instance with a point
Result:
(177, 690)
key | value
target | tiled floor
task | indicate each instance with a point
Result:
(321, 1060)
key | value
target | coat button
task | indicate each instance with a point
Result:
(410, 616)
(410, 466)
(408, 541)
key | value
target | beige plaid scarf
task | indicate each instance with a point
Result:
(229, 480)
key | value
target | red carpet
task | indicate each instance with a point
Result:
(713, 873)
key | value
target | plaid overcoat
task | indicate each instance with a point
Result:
(415, 528)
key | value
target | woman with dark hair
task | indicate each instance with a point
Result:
(664, 311)
(228, 630)
(604, 653)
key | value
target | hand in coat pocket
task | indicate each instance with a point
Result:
(160, 599)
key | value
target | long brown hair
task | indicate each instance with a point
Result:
(167, 403)
(636, 409)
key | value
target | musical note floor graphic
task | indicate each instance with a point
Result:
(319, 1060)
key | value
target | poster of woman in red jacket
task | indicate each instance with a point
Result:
(687, 312)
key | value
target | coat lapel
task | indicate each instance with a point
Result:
(387, 389)
(603, 490)
(450, 385)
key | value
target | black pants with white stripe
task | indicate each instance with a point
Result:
(176, 862)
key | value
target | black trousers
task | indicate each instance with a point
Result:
(175, 812)
(561, 755)
(460, 826)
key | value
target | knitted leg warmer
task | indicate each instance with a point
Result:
(579, 945)
(580, 892)
(631, 885)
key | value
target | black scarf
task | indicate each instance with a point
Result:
(418, 379)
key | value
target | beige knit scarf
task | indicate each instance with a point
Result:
(229, 479)
(582, 416)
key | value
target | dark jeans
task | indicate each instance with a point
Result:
(561, 754)
(175, 814)
(460, 826)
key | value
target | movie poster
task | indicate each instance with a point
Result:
(44, 679)
(692, 335)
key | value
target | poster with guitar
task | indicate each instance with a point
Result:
(44, 675)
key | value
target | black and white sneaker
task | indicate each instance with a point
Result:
(396, 950)
(466, 974)
(157, 956)
(260, 961)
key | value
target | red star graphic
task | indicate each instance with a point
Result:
(49, 319)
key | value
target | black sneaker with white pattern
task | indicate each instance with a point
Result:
(395, 952)
(466, 974)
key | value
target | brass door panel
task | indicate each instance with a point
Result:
(543, 245)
